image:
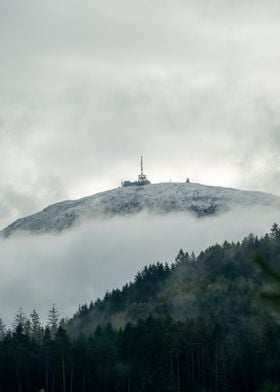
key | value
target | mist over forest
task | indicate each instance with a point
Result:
(205, 322)
(117, 292)
(79, 265)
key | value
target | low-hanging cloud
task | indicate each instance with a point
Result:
(86, 88)
(79, 265)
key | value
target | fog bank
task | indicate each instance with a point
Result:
(79, 265)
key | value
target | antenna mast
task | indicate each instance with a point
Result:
(142, 178)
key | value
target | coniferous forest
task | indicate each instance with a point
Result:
(205, 323)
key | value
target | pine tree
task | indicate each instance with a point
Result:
(27, 328)
(180, 256)
(53, 319)
(63, 346)
(275, 231)
(20, 319)
(36, 329)
(47, 347)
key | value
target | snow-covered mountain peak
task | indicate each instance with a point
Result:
(159, 198)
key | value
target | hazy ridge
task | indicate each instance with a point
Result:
(162, 198)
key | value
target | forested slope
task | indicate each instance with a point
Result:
(219, 282)
(196, 326)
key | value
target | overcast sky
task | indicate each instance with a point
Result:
(87, 86)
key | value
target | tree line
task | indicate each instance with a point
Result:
(155, 354)
(198, 325)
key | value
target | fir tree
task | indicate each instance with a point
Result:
(27, 330)
(275, 231)
(20, 319)
(53, 319)
(36, 328)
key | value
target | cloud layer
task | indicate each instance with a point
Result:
(87, 87)
(79, 265)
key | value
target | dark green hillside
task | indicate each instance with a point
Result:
(196, 326)
(219, 282)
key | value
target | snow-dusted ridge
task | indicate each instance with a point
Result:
(159, 198)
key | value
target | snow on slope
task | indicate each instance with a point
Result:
(156, 198)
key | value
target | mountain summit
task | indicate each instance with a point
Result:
(159, 198)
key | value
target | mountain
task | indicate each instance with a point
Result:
(159, 198)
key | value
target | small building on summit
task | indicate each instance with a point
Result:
(142, 178)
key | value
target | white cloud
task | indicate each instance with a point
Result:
(87, 87)
(78, 265)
